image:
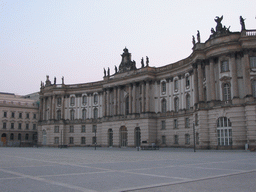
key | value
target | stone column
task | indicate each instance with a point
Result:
(44, 104)
(142, 97)
(50, 108)
(200, 82)
(63, 107)
(167, 95)
(104, 103)
(246, 74)
(41, 109)
(115, 100)
(130, 98)
(195, 84)
(212, 81)
(53, 107)
(108, 98)
(233, 69)
(118, 101)
(208, 87)
(134, 98)
(147, 97)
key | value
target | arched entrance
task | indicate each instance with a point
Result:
(110, 137)
(44, 138)
(137, 137)
(123, 136)
(3, 138)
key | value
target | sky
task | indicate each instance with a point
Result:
(78, 38)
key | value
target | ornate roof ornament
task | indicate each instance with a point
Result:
(126, 64)
(219, 29)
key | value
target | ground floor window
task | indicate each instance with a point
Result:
(71, 140)
(187, 139)
(163, 139)
(224, 131)
(82, 140)
(56, 140)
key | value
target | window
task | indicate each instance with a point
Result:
(56, 129)
(226, 92)
(163, 125)
(5, 114)
(196, 119)
(26, 137)
(84, 114)
(59, 101)
(82, 140)
(19, 126)
(187, 101)
(72, 101)
(176, 104)
(94, 140)
(224, 66)
(27, 115)
(95, 98)
(253, 62)
(224, 131)
(56, 140)
(19, 136)
(163, 139)
(176, 139)
(13, 114)
(187, 123)
(4, 125)
(72, 114)
(34, 126)
(187, 139)
(175, 124)
(71, 140)
(34, 116)
(127, 105)
(20, 115)
(163, 87)
(11, 136)
(71, 129)
(95, 113)
(94, 128)
(12, 125)
(58, 114)
(176, 85)
(83, 129)
(163, 106)
(187, 82)
(197, 138)
(27, 126)
(254, 88)
(84, 100)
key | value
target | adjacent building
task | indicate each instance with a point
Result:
(208, 97)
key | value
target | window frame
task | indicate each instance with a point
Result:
(224, 66)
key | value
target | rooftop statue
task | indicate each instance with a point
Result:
(218, 21)
(242, 23)
(105, 72)
(219, 29)
(126, 64)
(193, 40)
(198, 37)
(142, 62)
(147, 61)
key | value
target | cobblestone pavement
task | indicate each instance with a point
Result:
(115, 169)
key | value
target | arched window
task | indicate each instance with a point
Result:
(95, 113)
(72, 101)
(72, 114)
(187, 101)
(11, 136)
(176, 85)
(84, 114)
(163, 106)
(163, 87)
(176, 104)
(58, 114)
(226, 92)
(224, 131)
(84, 100)
(187, 82)
(95, 98)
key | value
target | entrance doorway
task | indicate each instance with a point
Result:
(137, 136)
(44, 138)
(123, 136)
(110, 138)
(3, 138)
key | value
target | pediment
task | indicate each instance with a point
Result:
(225, 78)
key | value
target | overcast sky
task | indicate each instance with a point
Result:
(77, 39)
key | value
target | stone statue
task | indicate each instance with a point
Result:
(41, 84)
(54, 80)
(104, 72)
(218, 21)
(142, 62)
(193, 40)
(115, 69)
(212, 31)
(147, 61)
(62, 79)
(108, 71)
(198, 37)
(242, 23)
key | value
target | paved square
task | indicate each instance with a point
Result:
(114, 169)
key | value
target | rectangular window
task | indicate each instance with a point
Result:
(187, 81)
(56, 129)
(27, 126)
(163, 139)
(56, 140)
(4, 125)
(59, 101)
(94, 140)
(34, 126)
(175, 124)
(95, 99)
(176, 85)
(84, 99)
(34, 116)
(20, 115)
(187, 139)
(224, 66)
(27, 115)
(254, 88)
(19, 127)
(12, 125)
(187, 123)
(5, 114)
(13, 114)
(94, 128)
(163, 125)
(196, 119)
(253, 62)
(197, 138)
(176, 139)
(82, 140)
(71, 129)
(71, 140)
(72, 100)
(83, 129)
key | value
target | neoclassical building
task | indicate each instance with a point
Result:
(209, 98)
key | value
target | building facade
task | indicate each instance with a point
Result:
(212, 90)
(19, 119)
